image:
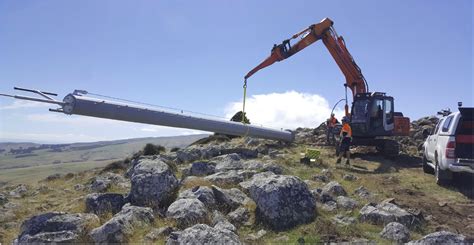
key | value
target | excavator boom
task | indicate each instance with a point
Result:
(335, 44)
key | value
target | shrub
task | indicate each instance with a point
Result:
(151, 149)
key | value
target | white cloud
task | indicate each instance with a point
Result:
(50, 138)
(18, 104)
(287, 110)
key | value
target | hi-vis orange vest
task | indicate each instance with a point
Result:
(347, 128)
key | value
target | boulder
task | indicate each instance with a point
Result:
(363, 192)
(188, 212)
(349, 177)
(188, 155)
(123, 225)
(396, 232)
(104, 203)
(329, 206)
(225, 225)
(19, 192)
(239, 216)
(202, 168)
(203, 234)
(229, 199)
(231, 177)
(256, 236)
(441, 237)
(57, 227)
(334, 189)
(153, 184)
(346, 203)
(100, 184)
(3, 199)
(385, 213)
(228, 162)
(282, 201)
(202, 193)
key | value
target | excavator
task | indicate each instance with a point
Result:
(372, 117)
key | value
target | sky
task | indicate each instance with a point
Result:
(193, 55)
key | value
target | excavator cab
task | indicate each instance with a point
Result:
(372, 115)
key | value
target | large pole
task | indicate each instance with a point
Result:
(88, 106)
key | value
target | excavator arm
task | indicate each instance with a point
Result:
(335, 44)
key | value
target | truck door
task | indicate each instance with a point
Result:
(432, 141)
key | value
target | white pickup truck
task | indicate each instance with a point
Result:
(450, 147)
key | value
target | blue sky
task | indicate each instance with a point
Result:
(194, 54)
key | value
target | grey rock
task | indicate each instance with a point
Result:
(203, 234)
(239, 216)
(122, 225)
(395, 231)
(104, 203)
(56, 227)
(333, 188)
(346, 202)
(188, 212)
(349, 177)
(153, 184)
(344, 220)
(225, 225)
(202, 193)
(156, 233)
(3, 199)
(329, 206)
(229, 199)
(321, 178)
(100, 184)
(19, 192)
(231, 177)
(363, 192)
(256, 236)
(188, 155)
(326, 172)
(79, 187)
(441, 237)
(282, 201)
(385, 213)
(202, 168)
(228, 162)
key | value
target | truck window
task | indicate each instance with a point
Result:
(447, 123)
(435, 131)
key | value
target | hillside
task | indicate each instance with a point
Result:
(244, 190)
(20, 162)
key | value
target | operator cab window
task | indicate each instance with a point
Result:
(388, 111)
(360, 111)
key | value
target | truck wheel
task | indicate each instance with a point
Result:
(426, 168)
(443, 177)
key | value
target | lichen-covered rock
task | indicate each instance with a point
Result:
(153, 184)
(123, 225)
(363, 192)
(19, 192)
(335, 189)
(57, 227)
(3, 199)
(441, 237)
(229, 199)
(203, 234)
(239, 216)
(228, 162)
(188, 155)
(104, 203)
(100, 184)
(396, 232)
(202, 193)
(282, 201)
(231, 177)
(346, 203)
(225, 225)
(188, 212)
(202, 168)
(349, 177)
(344, 220)
(386, 212)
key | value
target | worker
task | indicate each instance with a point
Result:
(346, 139)
(331, 123)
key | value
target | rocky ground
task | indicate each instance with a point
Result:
(244, 190)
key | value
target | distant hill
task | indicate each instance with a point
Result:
(25, 160)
